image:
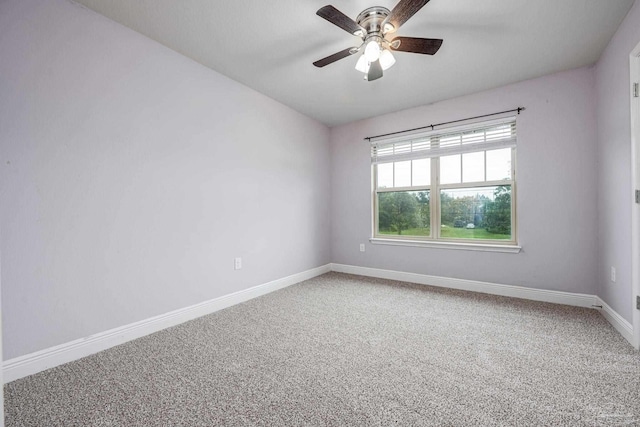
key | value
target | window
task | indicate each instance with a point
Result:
(456, 185)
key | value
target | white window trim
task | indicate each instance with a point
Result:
(446, 244)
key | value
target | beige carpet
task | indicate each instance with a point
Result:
(346, 350)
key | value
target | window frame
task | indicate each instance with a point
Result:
(434, 188)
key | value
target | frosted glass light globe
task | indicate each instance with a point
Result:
(386, 59)
(372, 51)
(362, 65)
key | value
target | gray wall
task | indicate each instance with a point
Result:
(130, 177)
(556, 182)
(614, 165)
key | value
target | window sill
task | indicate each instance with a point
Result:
(482, 247)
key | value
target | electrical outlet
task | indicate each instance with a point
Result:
(237, 263)
(613, 274)
(361, 247)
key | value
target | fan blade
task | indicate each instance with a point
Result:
(335, 57)
(338, 18)
(404, 10)
(375, 71)
(416, 45)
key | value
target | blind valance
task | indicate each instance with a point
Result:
(499, 133)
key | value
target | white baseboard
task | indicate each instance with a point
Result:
(33, 363)
(618, 322)
(558, 297)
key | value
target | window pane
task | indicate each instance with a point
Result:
(473, 167)
(421, 172)
(450, 169)
(404, 213)
(402, 174)
(476, 213)
(499, 164)
(385, 175)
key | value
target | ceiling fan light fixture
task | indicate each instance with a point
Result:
(388, 28)
(362, 65)
(372, 49)
(387, 59)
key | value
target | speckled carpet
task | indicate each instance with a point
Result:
(346, 350)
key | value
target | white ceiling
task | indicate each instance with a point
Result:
(270, 46)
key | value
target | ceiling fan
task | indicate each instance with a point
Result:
(375, 25)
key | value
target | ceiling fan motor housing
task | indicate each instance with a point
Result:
(371, 20)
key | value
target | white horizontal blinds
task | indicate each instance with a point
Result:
(477, 137)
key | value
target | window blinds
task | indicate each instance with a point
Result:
(476, 137)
